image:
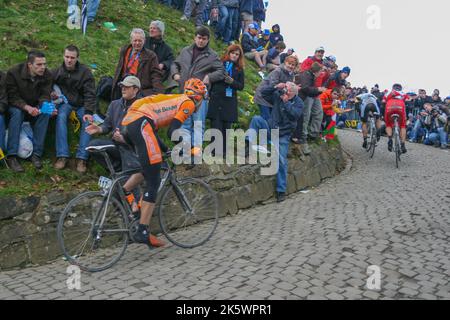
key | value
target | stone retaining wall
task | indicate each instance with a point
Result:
(28, 225)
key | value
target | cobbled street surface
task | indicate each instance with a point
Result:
(317, 245)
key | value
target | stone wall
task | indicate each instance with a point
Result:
(28, 225)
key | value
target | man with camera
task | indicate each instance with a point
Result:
(420, 129)
(287, 110)
(436, 121)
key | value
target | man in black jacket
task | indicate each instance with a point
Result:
(287, 110)
(77, 85)
(28, 86)
(162, 50)
(3, 108)
(311, 122)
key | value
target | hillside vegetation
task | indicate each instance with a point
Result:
(35, 24)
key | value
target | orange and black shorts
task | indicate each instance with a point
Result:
(140, 134)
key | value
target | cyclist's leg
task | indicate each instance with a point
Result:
(389, 125)
(402, 125)
(364, 119)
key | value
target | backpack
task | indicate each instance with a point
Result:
(104, 89)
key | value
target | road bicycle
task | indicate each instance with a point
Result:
(96, 227)
(372, 133)
(396, 139)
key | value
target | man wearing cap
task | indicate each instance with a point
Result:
(123, 158)
(77, 84)
(338, 79)
(135, 60)
(318, 57)
(162, 50)
(252, 50)
(264, 40)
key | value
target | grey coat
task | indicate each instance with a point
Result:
(277, 76)
(227, 3)
(207, 63)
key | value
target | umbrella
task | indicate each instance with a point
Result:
(84, 19)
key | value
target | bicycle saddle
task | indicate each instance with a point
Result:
(98, 149)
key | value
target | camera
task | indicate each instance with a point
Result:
(284, 91)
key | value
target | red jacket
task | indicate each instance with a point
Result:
(327, 102)
(322, 79)
(395, 97)
(307, 64)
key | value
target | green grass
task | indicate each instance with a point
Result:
(35, 24)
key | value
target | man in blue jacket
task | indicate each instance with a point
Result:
(287, 110)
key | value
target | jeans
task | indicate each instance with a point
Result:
(2, 132)
(417, 132)
(223, 20)
(259, 123)
(62, 145)
(40, 125)
(194, 126)
(92, 7)
(439, 137)
(265, 112)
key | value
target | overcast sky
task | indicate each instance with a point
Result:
(412, 45)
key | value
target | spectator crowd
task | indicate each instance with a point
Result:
(304, 100)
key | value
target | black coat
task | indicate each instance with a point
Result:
(162, 50)
(221, 106)
(78, 86)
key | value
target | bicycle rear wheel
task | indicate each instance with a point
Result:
(188, 213)
(83, 241)
(397, 150)
(373, 139)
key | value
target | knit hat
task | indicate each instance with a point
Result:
(160, 25)
(316, 67)
(346, 70)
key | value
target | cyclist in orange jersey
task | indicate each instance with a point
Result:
(140, 123)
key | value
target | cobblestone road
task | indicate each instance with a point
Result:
(314, 246)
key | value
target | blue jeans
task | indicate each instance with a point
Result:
(195, 125)
(2, 132)
(92, 7)
(417, 132)
(62, 145)
(223, 20)
(437, 138)
(231, 25)
(265, 112)
(40, 125)
(259, 123)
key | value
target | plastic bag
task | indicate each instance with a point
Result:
(25, 141)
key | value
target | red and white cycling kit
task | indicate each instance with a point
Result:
(395, 104)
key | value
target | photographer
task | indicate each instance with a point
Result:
(437, 135)
(287, 110)
(420, 129)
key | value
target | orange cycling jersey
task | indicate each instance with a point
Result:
(162, 109)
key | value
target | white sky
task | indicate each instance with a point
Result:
(412, 47)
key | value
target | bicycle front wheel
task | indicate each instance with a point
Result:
(188, 213)
(86, 239)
